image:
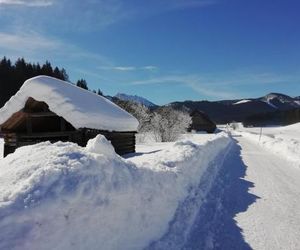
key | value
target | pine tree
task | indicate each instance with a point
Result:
(99, 92)
(82, 84)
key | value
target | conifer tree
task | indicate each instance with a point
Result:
(82, 84)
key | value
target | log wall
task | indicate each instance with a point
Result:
(123, 142)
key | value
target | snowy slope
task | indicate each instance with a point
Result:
(62, 196)
(282, 141)
(280, 101)
(135, 98)
(82, 108)
(241, 102)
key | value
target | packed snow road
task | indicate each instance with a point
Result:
(254, 203)
(273, 221)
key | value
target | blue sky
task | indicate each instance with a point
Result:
(164, 50)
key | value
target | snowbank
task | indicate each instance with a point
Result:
(82, 108)
(62, 196)
(282, 141)
(1, 147)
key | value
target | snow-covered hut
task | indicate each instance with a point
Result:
(46, 108)
(201, 122)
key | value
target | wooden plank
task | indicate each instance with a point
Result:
(41, 114)
(48, 134)
(62, 124)
(29, 125)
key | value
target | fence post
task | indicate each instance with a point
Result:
(260, 134)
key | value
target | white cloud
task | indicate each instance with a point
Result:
(34, 46)
(124, 68)
(129, 68)
(26, 42)
(28, 3)
(195, 82)
(227, 85)
(150, 68)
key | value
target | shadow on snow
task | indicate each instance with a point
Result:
(127, 156)
(205, 220)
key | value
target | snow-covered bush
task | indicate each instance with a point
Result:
(234, 125)
(164, 124)
(167, 124)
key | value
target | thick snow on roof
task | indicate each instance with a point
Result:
(82, 108)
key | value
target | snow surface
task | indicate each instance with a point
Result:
(82, 108)
(252, 203)
(241, 102)
(282, 141)
(270, 104)
(269, 216)
(1, 147)
(62, 196)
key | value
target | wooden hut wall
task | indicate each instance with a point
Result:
(36, 123)
(123, 142)
(201, 123)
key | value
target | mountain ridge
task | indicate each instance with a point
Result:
(225, 111)
(136, 98)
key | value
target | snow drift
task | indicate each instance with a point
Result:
(282, 141)
(62, 196)
(1, 147)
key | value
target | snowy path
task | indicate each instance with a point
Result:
(254, 203)
(273, 221)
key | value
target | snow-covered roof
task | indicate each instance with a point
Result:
(82, 108)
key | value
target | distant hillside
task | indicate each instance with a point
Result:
(239, 109)
(280, 101)
(226, 111)
(135, 98)
(279, 117)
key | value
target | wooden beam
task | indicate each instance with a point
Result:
(62, 124)
(48, 134)
(29, 125)
(41, 114)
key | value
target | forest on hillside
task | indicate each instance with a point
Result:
(13, 75)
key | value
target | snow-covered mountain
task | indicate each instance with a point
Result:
(280, 101)
(135, 98)
(241, 102)
(237, 110)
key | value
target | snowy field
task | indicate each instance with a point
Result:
(62, 196)
(282, 141)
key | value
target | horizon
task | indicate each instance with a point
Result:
(163, 51)
(200, 100)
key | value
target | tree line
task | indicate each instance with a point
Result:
(13, 75)
(279, 117)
